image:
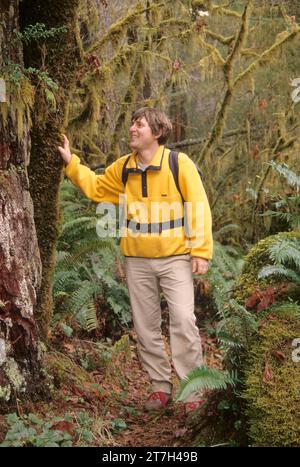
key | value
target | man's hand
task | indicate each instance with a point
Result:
(199, 265)
(65, 151)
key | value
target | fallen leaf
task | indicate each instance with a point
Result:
(181, 432)
(268, 374)
(69, 347)
(65, 426)
(263, 104)
(279, 355)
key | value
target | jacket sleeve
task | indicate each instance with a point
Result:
(99, 188)
(197, 210)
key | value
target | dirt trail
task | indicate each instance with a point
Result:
(165, 428)
(168, 428)
(113, 396)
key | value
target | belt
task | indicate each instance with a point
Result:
(154, 227)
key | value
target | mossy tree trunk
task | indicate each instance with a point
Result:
(20, 265)
(58, 56)
(178, 113)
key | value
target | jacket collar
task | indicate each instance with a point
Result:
(155, 164)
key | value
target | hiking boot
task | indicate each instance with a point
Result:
(157, 401)
(190, 407)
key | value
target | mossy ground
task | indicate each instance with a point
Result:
(106, 381)
(273, 380)
(257, 258)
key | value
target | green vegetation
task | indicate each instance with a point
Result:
(86, 282)
(223, 72)
(272, 380)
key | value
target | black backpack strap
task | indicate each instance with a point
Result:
(124, 172)
(174, 167)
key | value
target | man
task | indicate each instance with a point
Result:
(161, 247)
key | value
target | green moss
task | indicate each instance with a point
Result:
(257, 257)
(116, 30)
(12, 380)
(5, 392)
(45, 169)
(19, 99)
(14, 375)
(272, 380)
(41, 351)
(65, 371)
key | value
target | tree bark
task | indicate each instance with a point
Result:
(20, 265)
(59, 57)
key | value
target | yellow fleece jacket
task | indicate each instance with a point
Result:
(153, 207)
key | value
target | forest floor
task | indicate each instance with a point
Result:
(106, 383)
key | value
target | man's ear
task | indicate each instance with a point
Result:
(158, 135)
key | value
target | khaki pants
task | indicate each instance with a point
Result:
(145, 277)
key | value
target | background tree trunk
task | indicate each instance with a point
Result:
(20, 265)
(59, 57)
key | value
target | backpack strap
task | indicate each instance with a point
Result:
(125, 172)
(173, 163)
(174, 167)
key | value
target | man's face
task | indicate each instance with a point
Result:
(141, 136)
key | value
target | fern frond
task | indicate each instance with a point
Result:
(64, 281)
(291, 218)
(236, 328)
(269, 270)
(225, 259)
(225, 267)
(291, 177)
(119, 302)
(227, 340)
(201, 379)
(84, 294)
(286, 201)
(86, 249)
(73, 201)
(225, 229)
(79, 226)
(285, 251)
(89, 314)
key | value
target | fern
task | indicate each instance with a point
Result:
(83, 250)
(287, 207)
(119, 302)
(78, 228)
(225, 267)
(83, 294)
(285, 255)
(85, 267)
(225, 230)
(235, 332)
(291, 177)
(289, 274)
(286, 251)
(203, 378)
(73, 203)
(87, 316)
(236, 325)
(62, 281)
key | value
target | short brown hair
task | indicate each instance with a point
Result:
(157, 121)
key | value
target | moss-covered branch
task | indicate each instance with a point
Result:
(222, 39)
(117, 29)
(228, 74)
(193, 142)
(282, 38)
(214, 51)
